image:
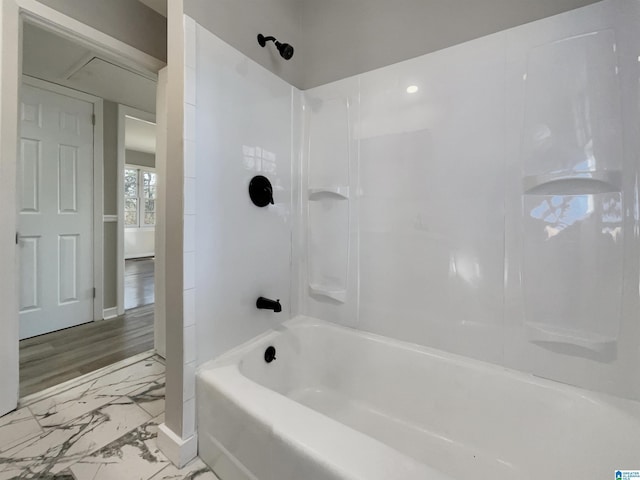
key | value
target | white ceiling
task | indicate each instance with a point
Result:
(140, 135)
(159, 6)
(61, 61)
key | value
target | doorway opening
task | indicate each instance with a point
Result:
(72, 210)
(140, 197)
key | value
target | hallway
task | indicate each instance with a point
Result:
(56, 357)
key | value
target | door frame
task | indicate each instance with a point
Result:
(123, 112)
(98, 183)
(12, 15)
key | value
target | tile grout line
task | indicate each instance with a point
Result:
(159, 471)
(18, 441)
(42, 430)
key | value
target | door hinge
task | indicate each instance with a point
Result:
(17, 238)
(93, 119)
(94, 292)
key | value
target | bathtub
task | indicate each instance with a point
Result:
(338, 403)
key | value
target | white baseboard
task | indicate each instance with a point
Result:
(179, 451)
(139, 255)
(108, 313)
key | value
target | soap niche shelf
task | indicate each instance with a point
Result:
(547, 333)
(577, 304)
(338, 191)
(337, 294)
(587, 183)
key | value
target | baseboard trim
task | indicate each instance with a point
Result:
(142, 256)
(109, 313)
(179, 451)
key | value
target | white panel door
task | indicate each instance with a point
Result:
(55, 209)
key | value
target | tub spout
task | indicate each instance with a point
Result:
(267, 304)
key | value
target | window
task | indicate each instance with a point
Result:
(131, 197)
(139, 197)
(149, 197)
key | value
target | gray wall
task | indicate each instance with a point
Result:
(110, 132)
(335, 39)
(143, 159)
(127, 20)
(110, 264)
(344, 38)
(238, 23)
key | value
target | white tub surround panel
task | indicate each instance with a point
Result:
(244, 128)
(417, 214)
(329, 195)
(431, 208)
(571, 194)
(489, 194)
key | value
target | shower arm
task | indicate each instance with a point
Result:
(262, 40)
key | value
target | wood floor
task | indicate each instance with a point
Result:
(50, 359)
(138, 282)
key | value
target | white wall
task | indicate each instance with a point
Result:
(492, 213)
(160, 314)
(240, 251)
(9, 93)
(139, 242)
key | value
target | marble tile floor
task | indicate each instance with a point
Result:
(98, 429)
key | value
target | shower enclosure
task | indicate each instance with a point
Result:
(455, 243)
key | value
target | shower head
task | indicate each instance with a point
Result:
(286, 50)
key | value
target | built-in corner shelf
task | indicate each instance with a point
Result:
(337, 294)
(579, 183)
(548, 333)
(339, 191)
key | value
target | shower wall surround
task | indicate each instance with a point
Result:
(494, 212)
(244, 127)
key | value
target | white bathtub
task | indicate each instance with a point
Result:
(341, 404)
